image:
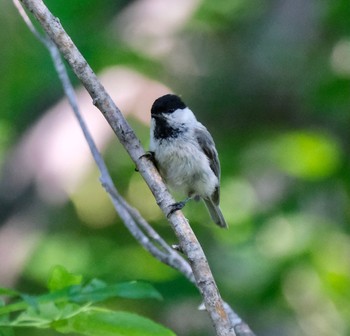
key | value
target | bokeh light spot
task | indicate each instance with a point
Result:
(340, 58)
(306, 154)
(238, 200)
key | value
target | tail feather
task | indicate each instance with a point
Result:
(215, 213)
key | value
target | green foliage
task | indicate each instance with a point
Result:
(70, 306)
(108, 323)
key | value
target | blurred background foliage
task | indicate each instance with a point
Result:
(270, 79)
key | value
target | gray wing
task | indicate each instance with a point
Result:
(207, 144)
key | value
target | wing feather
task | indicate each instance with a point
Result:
(207, 145)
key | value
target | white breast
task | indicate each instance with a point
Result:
(184, 166)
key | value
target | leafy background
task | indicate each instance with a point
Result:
(270, 79)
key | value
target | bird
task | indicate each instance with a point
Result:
(184, 152)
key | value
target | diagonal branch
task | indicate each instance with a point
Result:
(222, 316)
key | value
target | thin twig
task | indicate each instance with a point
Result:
(216, 308)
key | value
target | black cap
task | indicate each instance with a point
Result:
(167, 104)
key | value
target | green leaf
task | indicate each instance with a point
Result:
(39, 316)
(8, 292)
(5, 309)
(109, 323)
(5, 329)
(46, 314)
(61, 278)
(97, 291)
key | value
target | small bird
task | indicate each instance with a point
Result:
(185, 154)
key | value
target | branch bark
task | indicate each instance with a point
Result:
(220, 313)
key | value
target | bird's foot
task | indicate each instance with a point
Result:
(148, 155)
(177, 206)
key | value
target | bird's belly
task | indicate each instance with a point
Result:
(187, 170)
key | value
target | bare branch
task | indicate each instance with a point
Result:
(221, 314)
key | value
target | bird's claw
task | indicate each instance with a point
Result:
(175, 207)
(148, 155)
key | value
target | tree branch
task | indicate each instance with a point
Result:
(222, 316)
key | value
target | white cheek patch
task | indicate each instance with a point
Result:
(183, 116)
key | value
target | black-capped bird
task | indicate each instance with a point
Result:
(185, 154)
